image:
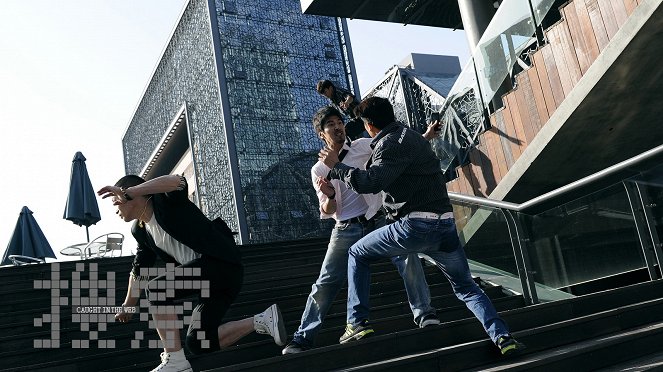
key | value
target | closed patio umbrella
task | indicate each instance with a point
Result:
(27, 239)
(82, 208)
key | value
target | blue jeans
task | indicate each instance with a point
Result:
(435, 238)
(333, 274)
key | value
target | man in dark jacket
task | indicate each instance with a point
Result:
(404, 166)
(201, 258)
(345, 102)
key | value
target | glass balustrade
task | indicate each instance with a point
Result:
(511, 31)
(488, 245)
(603, 240)
(585, 245)
(462, 120)
(541, 9)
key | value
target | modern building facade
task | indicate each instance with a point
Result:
(230, 106)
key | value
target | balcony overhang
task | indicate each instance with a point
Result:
(611, 115)
(435, 13)
(173, 145)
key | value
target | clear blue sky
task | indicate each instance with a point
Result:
(71, 74)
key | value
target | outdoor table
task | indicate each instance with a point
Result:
(85, 250)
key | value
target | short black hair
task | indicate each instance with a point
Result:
(322, 115)
(129, 181)
(322, 85)
(376, 110)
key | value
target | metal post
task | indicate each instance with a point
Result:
(641, 226)
(540, 38)
(517, 236)
(476, 16)
(647, 205)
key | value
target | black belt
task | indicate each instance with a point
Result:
(362, 219)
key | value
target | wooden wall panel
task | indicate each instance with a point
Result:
(493, 171)
(505, 138)
(569, 54)
(452, 185)
(570, 17)
(517, 123)
(537, 96)
(461, 185)
(498, 148)
(544, 82)
(484, 174)
(466, 186)
(558, 56)
(553, 74)
(587, 30)
(620, 12)
(530, 103)
(470, 183)
(608, 16)
(473, 172)
(498, 128)
(467, 171)
(630, 6)
(597, 24)
(516, 142)
(522, 108)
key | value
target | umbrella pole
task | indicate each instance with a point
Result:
(87, 233)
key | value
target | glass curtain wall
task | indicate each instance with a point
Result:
(273, 56)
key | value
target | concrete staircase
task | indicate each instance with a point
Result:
(618, 325)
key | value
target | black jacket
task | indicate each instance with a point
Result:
(404, 166)
(182, 220)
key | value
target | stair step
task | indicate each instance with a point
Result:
(461, 345)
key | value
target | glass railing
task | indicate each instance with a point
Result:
(575, 246)
(463, 115)
(510, 32)
(487, 237)
(603, 240)
(462, 120)
(541, 9)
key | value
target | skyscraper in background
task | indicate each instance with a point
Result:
(229, 106)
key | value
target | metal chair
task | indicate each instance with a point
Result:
(97, 248)
(105, 245)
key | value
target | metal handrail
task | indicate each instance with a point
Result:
(561, 190)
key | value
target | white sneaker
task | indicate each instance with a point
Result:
(270, 322)
(173, 362)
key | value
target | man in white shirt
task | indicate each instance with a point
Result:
(356, 215)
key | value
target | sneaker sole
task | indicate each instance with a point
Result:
(512, 350)
(280, 336)
(186, 370)
(287, 351)
(356, 337)
(429, 323)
